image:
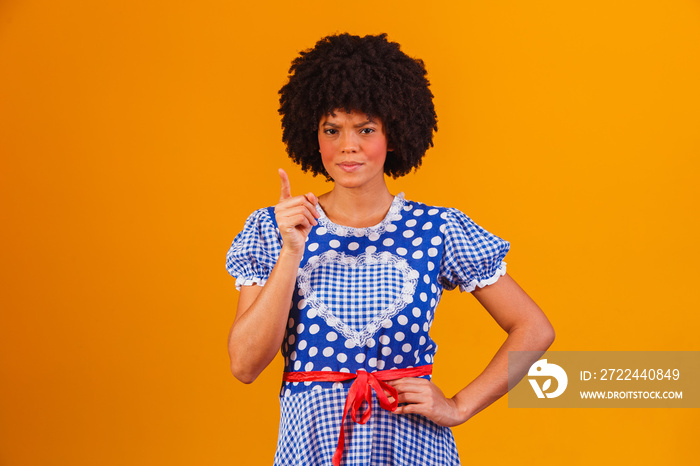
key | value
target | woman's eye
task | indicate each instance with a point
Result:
(367, 130)
(329, 131)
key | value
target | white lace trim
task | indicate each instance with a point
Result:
(486, 281)
(240, 282)
(376, 230)
(405, 297)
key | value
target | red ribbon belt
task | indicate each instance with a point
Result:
(361, 391)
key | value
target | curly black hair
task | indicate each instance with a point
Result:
(367, 74)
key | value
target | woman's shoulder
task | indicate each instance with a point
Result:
(259, 227)
(262, 218)
(263, 213)
(451, 221)
(421, 209)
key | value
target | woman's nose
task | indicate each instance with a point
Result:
(348, 143)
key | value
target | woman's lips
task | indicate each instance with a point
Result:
(350, 166)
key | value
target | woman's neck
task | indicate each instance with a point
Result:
(356, 208)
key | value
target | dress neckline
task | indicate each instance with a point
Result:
(394, 213)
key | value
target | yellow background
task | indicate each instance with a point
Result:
(136, 136)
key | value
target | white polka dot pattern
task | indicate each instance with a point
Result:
(441, 249)
(419, 235)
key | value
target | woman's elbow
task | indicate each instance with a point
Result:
(538, 336)
(243, 374)
(241, 367)
(547, 335)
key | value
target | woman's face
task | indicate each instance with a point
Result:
(353, 148)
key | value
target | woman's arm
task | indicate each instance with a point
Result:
(258, 329)
(528, 330)
(261, 317)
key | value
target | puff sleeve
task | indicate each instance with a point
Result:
(255, 250)
(472, 256)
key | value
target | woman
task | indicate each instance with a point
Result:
(347, 283)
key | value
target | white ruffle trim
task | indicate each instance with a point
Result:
(486, 281)
(248, 282)
(375, 231)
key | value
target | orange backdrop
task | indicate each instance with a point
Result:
(136, 136)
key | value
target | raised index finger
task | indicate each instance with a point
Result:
(286, 191)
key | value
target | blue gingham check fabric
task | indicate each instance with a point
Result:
(365, 299)
(473, 256)
(255, 250)
(308, 435)
(357, 294)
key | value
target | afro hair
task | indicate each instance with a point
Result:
(367, 74)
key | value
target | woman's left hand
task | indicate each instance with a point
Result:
(426, 398)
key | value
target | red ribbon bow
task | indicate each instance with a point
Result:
(361, 391)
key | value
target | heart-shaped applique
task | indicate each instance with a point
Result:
(355, 294)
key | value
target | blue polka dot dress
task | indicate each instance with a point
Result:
(365, 298)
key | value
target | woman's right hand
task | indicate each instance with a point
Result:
(295, 217)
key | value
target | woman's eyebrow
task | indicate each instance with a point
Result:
(359, 125)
